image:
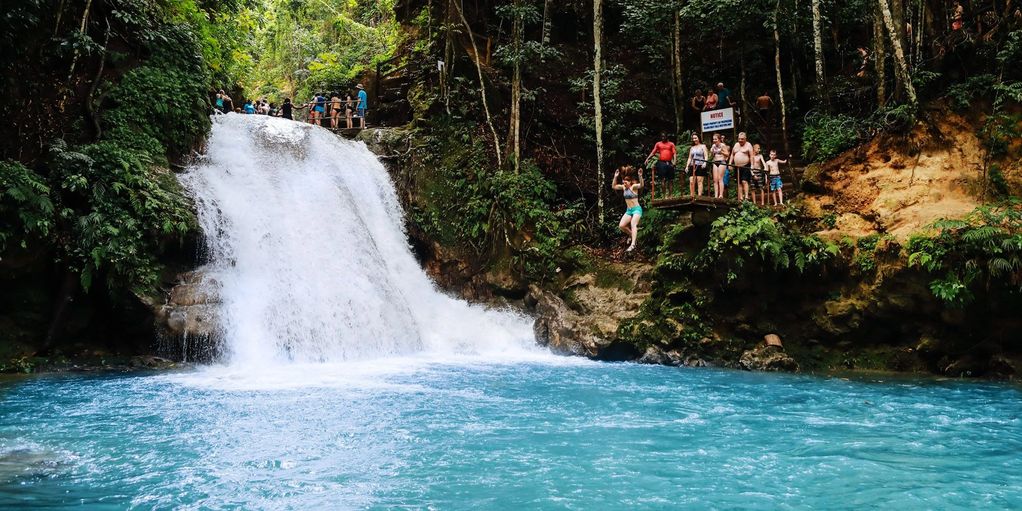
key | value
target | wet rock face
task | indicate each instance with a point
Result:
(562, 329)
(767, 358)
(191, 307)
(583, 317)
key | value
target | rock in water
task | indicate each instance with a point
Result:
(773, 340)
(767, 358)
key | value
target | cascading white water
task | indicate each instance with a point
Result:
(309, 255)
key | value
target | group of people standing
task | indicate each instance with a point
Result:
(757, 179)
(321, 108)
(720, 162)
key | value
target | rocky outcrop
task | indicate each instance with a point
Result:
(191, 307)
(767, 357)
(583, 317)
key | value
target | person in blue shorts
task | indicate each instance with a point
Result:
(363, 105)
(774, 175)
(630, 190)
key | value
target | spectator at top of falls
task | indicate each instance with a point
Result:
(363, 105)
(249, 108)
(285, 109)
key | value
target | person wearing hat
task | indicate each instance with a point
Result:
(363, 105)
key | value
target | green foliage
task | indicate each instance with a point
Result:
(999, 132)
(119, 207)
(825, 136)
(962, 95)
(472, 204)
(299, 47)
(620, 134)
(751, 235)
(26, 208)
(982, 251)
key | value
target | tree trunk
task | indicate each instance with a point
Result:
(676, 83)
(482, 83)
(81, 31)
(597, 106)
(743, 119)
(516, 88)
(818, 48)
(547, 23)
(900, 65)
(880, 60)
(780, 82)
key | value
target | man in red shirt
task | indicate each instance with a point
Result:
(664, 169)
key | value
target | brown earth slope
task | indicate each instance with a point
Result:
(900, 184)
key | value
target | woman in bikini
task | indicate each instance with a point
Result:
(720, 153)
(696, 166)
(335, 110)
(630, 190)
(349, 109)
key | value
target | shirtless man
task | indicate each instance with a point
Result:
(741, 157)
(764, 104)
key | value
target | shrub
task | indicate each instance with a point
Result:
(983, 250)
(825, 136)
(750, 234)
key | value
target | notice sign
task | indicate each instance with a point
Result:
(716, 120)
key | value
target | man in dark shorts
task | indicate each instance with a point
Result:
(664, 168)
(285, 109)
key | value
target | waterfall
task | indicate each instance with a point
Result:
(309, 257)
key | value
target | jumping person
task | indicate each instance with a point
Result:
(741, 157)
(666, 152)
(758, 179)
(695, 167)
(629, 223)
(774, 174)
(719, 152)
(363, 105)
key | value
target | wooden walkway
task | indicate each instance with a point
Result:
(689, 203)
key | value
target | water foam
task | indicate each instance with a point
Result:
(308, 254)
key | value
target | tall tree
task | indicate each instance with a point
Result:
(517, 31)
(597, 106)
(879, 59)
(676, 83)
(818, 47)
(898, 44)
(777, 70)
(482, 81)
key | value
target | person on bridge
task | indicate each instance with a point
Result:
(695, 167)
(349, 110)
(741, 158)
(629, 223)
(664, 168)
(363, 105)
(774, 174)
(719, 152)
(286, 109)
(758, 179)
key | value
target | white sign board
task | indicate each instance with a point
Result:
(717, 120)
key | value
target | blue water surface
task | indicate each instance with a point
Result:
(508, 436)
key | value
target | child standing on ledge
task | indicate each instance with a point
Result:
(774, 175)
